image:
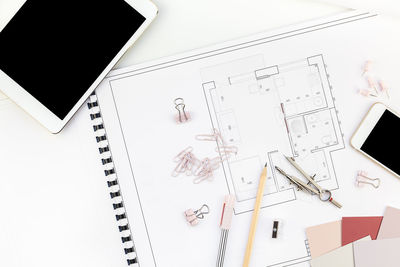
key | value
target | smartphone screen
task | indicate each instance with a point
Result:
(383, 143)
(55, 50)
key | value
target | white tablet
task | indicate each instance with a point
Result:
(53, 54)
(377, 137)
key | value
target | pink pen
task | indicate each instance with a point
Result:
(225, 225)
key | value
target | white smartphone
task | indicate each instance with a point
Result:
(53, 54)
(378, 137)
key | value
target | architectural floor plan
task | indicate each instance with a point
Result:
(272, 111)
(288, 92)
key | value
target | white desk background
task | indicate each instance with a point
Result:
(54, 205)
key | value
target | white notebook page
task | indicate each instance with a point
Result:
(238, 87)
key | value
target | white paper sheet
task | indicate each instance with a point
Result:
(44, 195)
(238, 87)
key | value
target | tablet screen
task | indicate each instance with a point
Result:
(55, 50)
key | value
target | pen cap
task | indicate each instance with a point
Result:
(227, 211)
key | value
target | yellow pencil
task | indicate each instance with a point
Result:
(254, 219)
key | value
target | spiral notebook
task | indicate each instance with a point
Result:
(231, 87)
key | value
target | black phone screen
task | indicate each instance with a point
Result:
(383, 143)
(56, 49)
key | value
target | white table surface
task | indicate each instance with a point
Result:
(54, 204)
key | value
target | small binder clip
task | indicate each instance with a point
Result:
(362, 179)
(182, 116)
(192, 217)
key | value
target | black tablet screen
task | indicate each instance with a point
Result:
(56, 49)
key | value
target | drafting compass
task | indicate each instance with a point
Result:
(312, 186)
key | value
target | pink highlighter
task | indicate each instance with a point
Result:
(225, 225)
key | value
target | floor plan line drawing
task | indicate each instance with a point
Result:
(292, 106)
(295, 261)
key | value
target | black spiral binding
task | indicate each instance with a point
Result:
(112, 180)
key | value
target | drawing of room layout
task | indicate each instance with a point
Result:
(269, 111)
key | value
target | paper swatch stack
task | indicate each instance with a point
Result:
(357, 241)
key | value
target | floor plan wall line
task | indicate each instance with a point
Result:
(293, 107)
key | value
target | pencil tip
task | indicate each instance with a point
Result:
(265, 166)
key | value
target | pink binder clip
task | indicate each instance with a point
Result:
(182, 115)
(362, 179)
(193, 217)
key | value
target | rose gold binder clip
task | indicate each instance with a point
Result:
(187, 161)
(362, 179)
(182, 115)
(193, 216)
